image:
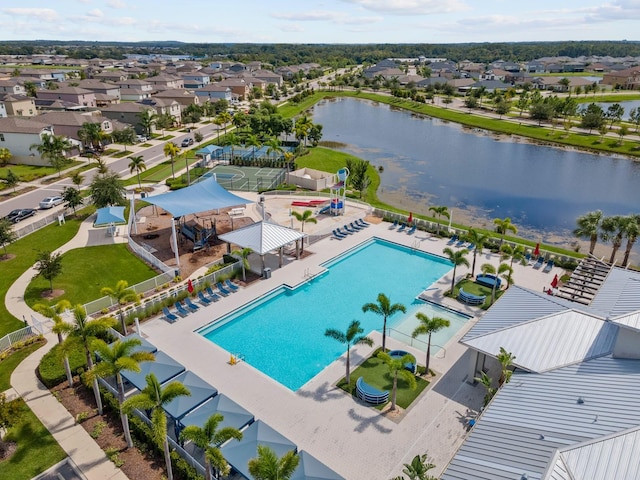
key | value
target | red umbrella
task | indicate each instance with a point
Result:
(190, 286)
(410, 217)
(554, 282)
(536, 252)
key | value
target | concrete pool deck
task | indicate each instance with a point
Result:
(355, 440)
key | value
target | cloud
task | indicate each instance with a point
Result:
(96, 13)
(291, 27)
(115, 4)
(46, 14)
(411, 7)
(324, 16)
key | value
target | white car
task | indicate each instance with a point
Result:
(51, 202)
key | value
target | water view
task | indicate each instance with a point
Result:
(478, 174)
(627, 105)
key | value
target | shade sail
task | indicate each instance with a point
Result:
(144, 346)
(239, 453)
(164, 368)
(310, 468)
(262, 237)
(200, 390)
(199, 197)
(108, 215)
(234, 415)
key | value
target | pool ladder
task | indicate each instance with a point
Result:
(307, 274)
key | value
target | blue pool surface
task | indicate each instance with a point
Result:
(282, 333)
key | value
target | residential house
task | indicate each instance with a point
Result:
(134, 95)
(43, 74)
(553, 83)
(628, 79)
(68, 123)
(12, 86)
(18, 134)
(136, 84)
(181, 95)
(18, 105)
(490, 86)
(114, 76)
(239, 86)
(195, 80)
(494, 74)
(166, 82)
(268, 77)
(106, 93)
(164, 106)
(237, 67)
(3, 109)
(535, 67)
(128, 113)
(77, 95)
(214, 92)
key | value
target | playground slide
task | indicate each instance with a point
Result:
(324, 210)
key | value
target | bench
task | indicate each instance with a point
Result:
(236, 212)
(471, 299)
(370, 394)
(488, 280)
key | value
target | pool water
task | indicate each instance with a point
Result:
(282, 333)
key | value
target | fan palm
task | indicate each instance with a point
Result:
(440, 211)
(457, 257)
(53, 148)
(385, 309)
(612, 230)
(589, 227)
(631, 230)
(153, 397)
(353, 336)
(115, 359)
(396, 369)
(253, 142)
(426, 327)
(267, 465)
(54, 312)
(137, 165)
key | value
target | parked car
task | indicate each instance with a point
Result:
(16, 215)
(88, 152)
(141, 138)
(187, 142)
(50, 202)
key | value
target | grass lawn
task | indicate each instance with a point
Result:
(121, 154)
(37, 449)
(25, 251)
(376, 373)
(27, 173)
(86, 270)
(474, 288)
(9, 364)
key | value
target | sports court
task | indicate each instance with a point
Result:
(250, 179)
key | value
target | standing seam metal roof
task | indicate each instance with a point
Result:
(262, 237)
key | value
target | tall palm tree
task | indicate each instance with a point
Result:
(516, 253)
(147, 119)
(137, 165)
(427, 326)
(267, 465)
(244, 258)
(153, 397)
(612, 230)
(54, 312)
(385, 309)
(209, 439)
(304, 217)
(223, 119)
(440, 211)
(92, 135)
(53, 148)
(396, 369)
(504, 225)
(232, 140)
(506, 360)
(302, 126)
(589, 227)
(479, 240)
(631, 231)
(252, 141)
(490, 269)
(81, 334)
(273, 146)
(457, 257)
(114, 359)
(171, 150)
(353, 336)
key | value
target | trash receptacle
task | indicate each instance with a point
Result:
(143, 195)
(266, 273)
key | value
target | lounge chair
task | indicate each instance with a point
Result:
(471, 246)
(412, 230)
(452, 240)
(223, 290)
(183, 312)
(345, 233)
(539, 263)
(337, 235)
(527, 259)
(192, 306)
(548, 266)
(395, 224)
(204, 300)
(213, 295)
(170, 317)
(349, 229)
(231, 285)
(402, 227)
(460, 243)
(357, 228)
(362, 223)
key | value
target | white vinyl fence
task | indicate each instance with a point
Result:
(21, 335)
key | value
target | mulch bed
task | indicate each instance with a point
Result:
(137, 464)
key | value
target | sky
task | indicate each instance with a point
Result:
(328, 21)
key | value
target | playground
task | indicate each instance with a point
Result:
(248, 179)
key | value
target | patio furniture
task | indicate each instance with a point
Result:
(222, 290)
(349, 229)
(183, 312)
(192, 306)
(402, 227)
(488, 280)
(548, 266)
(213, 295)
(412, 367)
(370, 394)
(170, 317)
(395, 224)
(539, 263)
(470, 298)
(412, 230)
(452, 240)
(362, 223)
(231, 285)
(337, 235)
(204, 300)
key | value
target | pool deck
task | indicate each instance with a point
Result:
(355, 440)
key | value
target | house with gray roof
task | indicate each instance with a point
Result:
(78, 95)
(128, 113)
(19, 133)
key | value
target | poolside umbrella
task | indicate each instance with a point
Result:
(189, 286)
(554, 282)
(410, 217)
(109, 215)
(536, 252)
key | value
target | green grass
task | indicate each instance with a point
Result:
(27, 173)
(25, 251)
(9, 364)
(86, 270)
(474, 288)
(37, 449)
(376, 373)
(121, 154)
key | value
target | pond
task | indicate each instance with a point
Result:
(627, 105)
(478, 174)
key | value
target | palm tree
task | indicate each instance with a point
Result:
(273, 146)
(53, 148)
(223, 118)
(209, 439)
(612, 230)
(114, 359)
(506, 360)
(121, 293)
(631, 230)
(589, 227)
(479, 240)
(515, 253)
(385, 309)
(303, 218)
(81, 334)
(252, 141)
(302, 126)
(485, 380)
(171, 150)
(153, 397)
(92, 135)
(504, 225)
(232, 140)
(396, 369)
(55, 313)
(418, 468)
(244, 257)
(353, 336)
(147, 119)
(426, 327)
(457, 257)
(490, 269)
(137, 165)
(440, 211)
(267, 465)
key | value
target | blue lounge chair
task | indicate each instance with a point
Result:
(548, 266)
(362, 223)
(170, 317)
(222, 290)
(460, 243)
(452, 240)
(338, 236)
(213, 295)
(204, 300)
(395, 224)
(357, 228)
(527, 259)
(345, 233)
(231, 285)
(183, 312)
(539, 263)
(192, 306)
(402, 227)
(412, 230)
(471, 246)
(349, 229)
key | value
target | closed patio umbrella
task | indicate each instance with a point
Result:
(536, 252)
(554, 282)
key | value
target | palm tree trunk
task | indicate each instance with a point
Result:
(173, 173)
(67, 369)
(426, 363)
(96, 388)
(616, 246)
(473, 268)
(393, 394)
(627, 252)
(592, 245)
(384, 335)
(348, 375)
(167, 457)
(493, 292)
(453, 279)
(207, 469)
(123, 416)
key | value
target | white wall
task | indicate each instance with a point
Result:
(19, 144)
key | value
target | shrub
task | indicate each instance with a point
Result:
(114, 455)
(81, 417)
(51, 368)
(97, 429)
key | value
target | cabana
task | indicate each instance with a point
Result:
(310, 468)
(200, 390)
(264, 237)
(199, 197)
(234, 415)
(164, 368)
(239, 453)
(210, 152)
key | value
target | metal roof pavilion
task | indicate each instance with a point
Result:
(262, 237)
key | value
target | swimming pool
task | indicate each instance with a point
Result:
(282, 333)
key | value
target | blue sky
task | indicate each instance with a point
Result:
(328, 21)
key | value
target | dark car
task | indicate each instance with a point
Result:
(16, 215)
(187, 142)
